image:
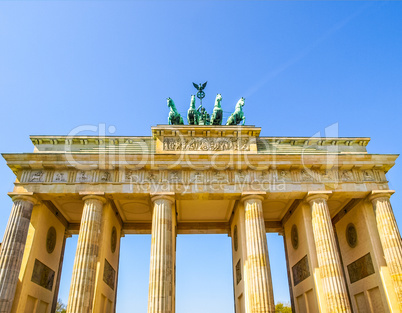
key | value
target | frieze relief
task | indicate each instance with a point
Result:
(37, 177)
(206, 144)
(202, 176)
(60, 177)
(84, 177)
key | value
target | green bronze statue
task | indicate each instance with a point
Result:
(174, 116)
(193, 116)
(237, 116)
(204, 116)
(200, 116)
(217, 114)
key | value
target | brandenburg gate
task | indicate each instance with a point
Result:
(327, 197)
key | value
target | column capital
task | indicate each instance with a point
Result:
(375, 194)
(94, 197)
(317, 195)
(252, 196)
(68, 234)
(163, 196)
(25, 196)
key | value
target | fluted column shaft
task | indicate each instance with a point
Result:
(390, 239)
(12, 249)
(84, 271)
(162, 273)
(333, 282)
(259, 291)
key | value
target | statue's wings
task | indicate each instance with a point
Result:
(195, 85)
(203, 85)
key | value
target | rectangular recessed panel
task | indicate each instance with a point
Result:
(301, 304)
(204, 210)
(43, 275)
(42, 307)
(361, 268)
(311, 301)
(361, 303)
(375, 300)
(30, 305)
(109, 275)
(300, 271)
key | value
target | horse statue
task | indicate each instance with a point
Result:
(193, 115)
(174, 116)
(217, 114)
(237, 116)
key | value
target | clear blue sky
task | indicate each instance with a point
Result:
(302, 67)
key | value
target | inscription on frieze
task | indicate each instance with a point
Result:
(361, 268)
(300, 271)
(205, 144)
(109, 275)
(43, 275)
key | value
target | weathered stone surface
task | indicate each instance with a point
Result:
(334, 286)
(162, 273)
(84, 271)
(390, 238)
(12, 249)
(259, 291)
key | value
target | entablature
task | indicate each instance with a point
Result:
(190, 139)
(200, 161)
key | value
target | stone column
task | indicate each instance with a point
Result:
(162, 271)
(86, 258)
(333, 282)
(12, 249)
(258, 287)
(390, 237)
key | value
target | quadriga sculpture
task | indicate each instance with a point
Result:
(193, 115)
(217, 114)
(237, 116)
(174, 116)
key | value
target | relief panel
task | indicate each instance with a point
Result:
(360, 268)
(43, 275)
(109, 275)
(206, 144)
(300, 271)
(60, 177)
